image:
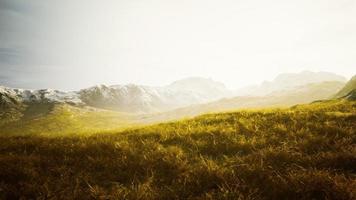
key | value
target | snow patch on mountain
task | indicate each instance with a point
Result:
(139, 98)
(40, 96)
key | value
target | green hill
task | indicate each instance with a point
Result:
(63, 119)
(349, 88)
(304, 152)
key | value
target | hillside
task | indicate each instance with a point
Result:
(62, 119)
(297, 95)
(305, 152)
(348, 89)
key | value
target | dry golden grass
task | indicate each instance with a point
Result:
(306, 152)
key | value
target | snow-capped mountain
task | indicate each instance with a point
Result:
(39, 96)
(133, 98)
(126, 98)
(138, 98)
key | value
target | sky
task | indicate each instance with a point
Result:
(72, 44)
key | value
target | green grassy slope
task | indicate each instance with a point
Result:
(348, 88)
(305, 152)
(63, 119)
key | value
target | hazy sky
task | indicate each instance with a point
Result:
(70, 44)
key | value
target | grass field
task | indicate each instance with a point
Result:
(304, 152)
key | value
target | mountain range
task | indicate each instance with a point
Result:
(284, 90)
(147, 99)
(104, 107)
(124, 98)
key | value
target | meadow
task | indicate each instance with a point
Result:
(302, 152)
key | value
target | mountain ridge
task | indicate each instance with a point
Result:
(125, 98)
(141, 99)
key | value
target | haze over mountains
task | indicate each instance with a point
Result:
(114, 107)
(283, 98)
(194, 93)
(288, 81)
(146, 99)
